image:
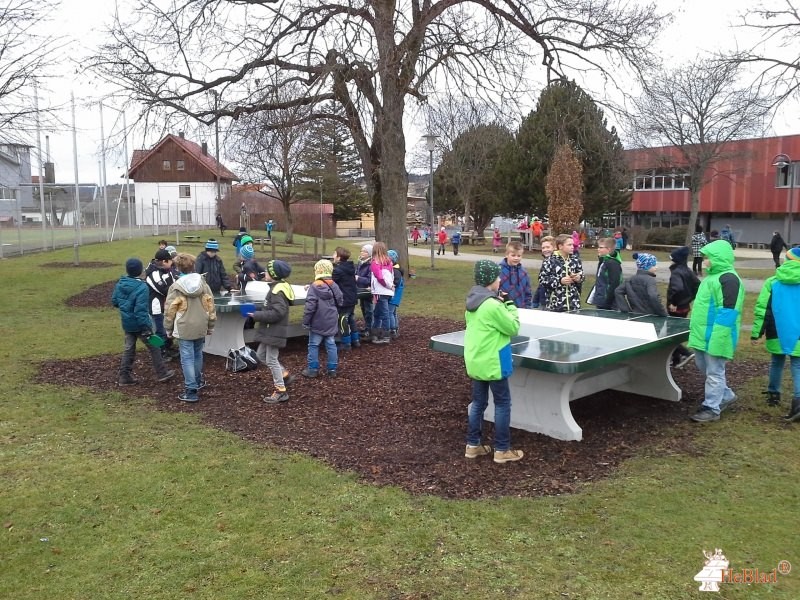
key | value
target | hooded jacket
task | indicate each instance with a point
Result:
(777, 244)
(273, 316)
(382, 281)
(321, 311)
(214, 270)
(516, 283)
(609, 277)
(158, 281)
(639, 295)
(344, 274)
(682, 287)
(717, 314)
(131, 297)
(776, 314)
(487, 341)
(189, 309)
(560, 297)
(399, 286)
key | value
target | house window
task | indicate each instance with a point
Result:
(184, 191)
(186, 216)
(165, 165)
(784, 178)
(180, 165)
(661, 179)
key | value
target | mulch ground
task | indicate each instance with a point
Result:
(411, 435)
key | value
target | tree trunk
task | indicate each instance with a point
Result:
(695, 207)
(287, 211)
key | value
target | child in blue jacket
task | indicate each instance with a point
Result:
(394, 301)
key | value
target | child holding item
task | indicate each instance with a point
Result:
(562, 276)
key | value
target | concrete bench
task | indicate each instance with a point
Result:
(559, 357)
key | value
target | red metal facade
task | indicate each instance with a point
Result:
(743, 183)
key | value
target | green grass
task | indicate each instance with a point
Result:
(103, 497)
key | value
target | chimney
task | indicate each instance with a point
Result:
(180, 134)
(204, 147)
(49, 172)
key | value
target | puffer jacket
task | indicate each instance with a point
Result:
(273, 317)
(364, 273)
(214, 270)
(609, 277)
(132, 298)
(399, 286)
(382, 282)
(717, 313)
(344, 274)
(639, 295)
(560, 297)
(776, 314)
(189, 309)
(487, 341)
(683, 285)
(321, 311)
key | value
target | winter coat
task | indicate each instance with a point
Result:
(487, 340)
(698, 241)
(364, 273)
(132, 298)
(321, 311)
(399, 286)
(777, 244)
(190, 311)
(776, 314)
(441, 237)
(344, 274)
(560, 297)
(682, 288)
(251, 270)
(717, 314)
(456, 238)
(272, 318)
(516, 283)
(608, 279)
(158, 282)
(214, 270)
(382, 282)
(640, 295)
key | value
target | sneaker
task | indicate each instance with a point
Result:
(288, 379)
(726, 404)
(683, 361)
(124, 382)
(277, 397)
(773, 398)
(332, 373)
(476, 451)
(187, 397)
(504, 456)
(166, 376)
(309, 373)
(704, 415)
(393, 334)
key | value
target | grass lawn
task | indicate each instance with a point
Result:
(107, 498)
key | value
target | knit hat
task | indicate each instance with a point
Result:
(644, 261)
(173, 251)
(793, 254)
(163, 255)
(247, 252)
(680, 255)
(134, 267)
(486, 272)
(212, 244)
(393, 255)
(246, 239)
(367, 248)
(278, 269)
(323, 268)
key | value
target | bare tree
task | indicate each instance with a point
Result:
(697, 109)
(370, 56)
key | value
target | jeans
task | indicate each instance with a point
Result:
(717, 390)
(394, 321)
(381, 318)
(502, 413)
(347, 326)
(129, 355)
(367, 311)
(314, 341)
(269, 356)
(776, 373)
(192, 364)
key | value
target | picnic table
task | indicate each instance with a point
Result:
(229, 331)
(559, 357)
(191, 239)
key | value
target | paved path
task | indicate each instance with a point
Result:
(757, 259)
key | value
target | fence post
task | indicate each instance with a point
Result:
(272, 243)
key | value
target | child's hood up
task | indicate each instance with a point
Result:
(190, 284)
(477, 295)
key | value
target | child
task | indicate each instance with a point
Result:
(382, 285)
(609, 275)
(364, 291)
(208, 263)
(562, 276)
(159, 275)
(273, 327)
(514, 281)
(487, 355)
(455, 239)
(394, 301)
(714, 327)
(497, 241)
(321, 318)
(540, 297)
(639, 293)
(190, 316)
(250, 269)
(777, 318)
(415, 235)
(245, 242)
(344, 274)
(131, 297)
(162, 244)
(441, 238)
(681, 292)
(698, 241)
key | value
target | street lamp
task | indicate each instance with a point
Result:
(430, 144)
(783, 161)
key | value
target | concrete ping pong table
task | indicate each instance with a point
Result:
(559, 357)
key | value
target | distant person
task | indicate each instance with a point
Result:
(515, 283)
(625, 238)
(415, 235)
(537, 229)
(491, 322)
(441, 239)
(608, 277)
(639, 294)
(713, 236)
(132, 298)
(576, 243)
(162, 244)
(455, 240)
(681, 292)
(562, 276)
(270, 227)
(698, 241)
(619, 243)
(209, 263)
(778, 320)
(497, 240)
(776, 246)
(714, 327)
(221, 225)
(727, 235)
(540, 296)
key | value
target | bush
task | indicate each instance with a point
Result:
(672, 236)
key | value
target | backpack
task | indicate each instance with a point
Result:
(241, 360)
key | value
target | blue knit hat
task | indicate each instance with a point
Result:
(212, 244)
(247, 252)
(644, 261)
(393, 255)
(134, 267)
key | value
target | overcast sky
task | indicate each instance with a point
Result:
(699, 26)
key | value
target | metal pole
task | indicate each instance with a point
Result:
(103, 171)
(433, 214)
(41, 164)
(77, 215)
(127, 176)
(791, 203)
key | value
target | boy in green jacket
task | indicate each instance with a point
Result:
(491, 321)
(714, 327)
